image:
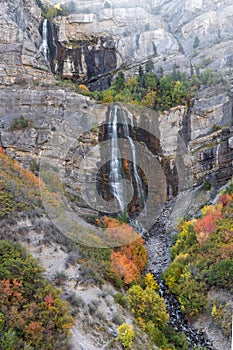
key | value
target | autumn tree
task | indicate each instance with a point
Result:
(124, 267)
(126, 335)
(128, 260)
(147, 305)
(207, 224)
(32, 313)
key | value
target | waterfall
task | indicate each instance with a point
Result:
(49, 47)
(117, 173)
(139, 185)
(45, 45)
(115, 165)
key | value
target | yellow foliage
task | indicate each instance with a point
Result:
(108, 96)
(150, 282)
(211, 209)
(125, 335)
(214, 311)
(149, 99)
(58, 7)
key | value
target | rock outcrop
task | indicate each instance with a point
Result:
(21, 57)
(190, 35)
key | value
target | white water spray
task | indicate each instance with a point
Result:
(115, 166)
(118, 116)
(45, 46)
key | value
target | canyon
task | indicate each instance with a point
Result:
(184, 154)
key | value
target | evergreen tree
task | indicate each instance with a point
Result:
(119, 83)
(149, 66)
(196, 42)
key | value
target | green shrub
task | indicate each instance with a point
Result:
(120, 299)
(178, 339)
(221, 275)
(21, 123)
(107, 5)
(215, 127)
(206, 186)
(196, 42)
(156, 335)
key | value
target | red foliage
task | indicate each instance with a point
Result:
(124, 267)
(207, 224)
(49, 300)
(130, 259)
(224, 199)
(11, 292)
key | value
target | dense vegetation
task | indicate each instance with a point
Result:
(124, 267)
(32, 313)
(203, 261)
(23, 289)
(19, 188)
(50, 11)
(148, 89)
(158, 91)
(153, 90)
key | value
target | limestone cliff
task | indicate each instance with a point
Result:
(190, 34)
(21, 56)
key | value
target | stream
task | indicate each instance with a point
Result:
(158, 244)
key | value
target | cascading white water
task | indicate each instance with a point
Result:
(138, 180)
(115, 165)
(118, 116)
(45, 46)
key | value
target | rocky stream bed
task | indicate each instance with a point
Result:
(158, 243)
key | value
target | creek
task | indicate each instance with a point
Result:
(158, 243)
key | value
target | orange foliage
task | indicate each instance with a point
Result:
(83, 87)
(207, 224)
(23, 173)
(26, 173)
(225, 198)
(117, 233)
(128, 260)
(11, 292)
(136, 252)
(124, 267)
(34, 331)
(49, 300)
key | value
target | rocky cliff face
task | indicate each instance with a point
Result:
(21, 56)
(191, 35)
(136, 33)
